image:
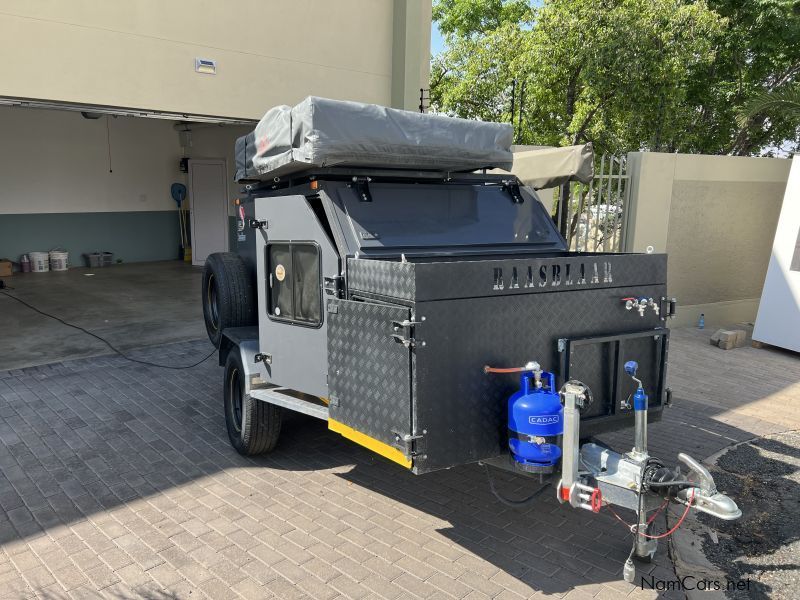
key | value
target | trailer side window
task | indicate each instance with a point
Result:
(294, 289)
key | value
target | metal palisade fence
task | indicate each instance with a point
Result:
(596, 212)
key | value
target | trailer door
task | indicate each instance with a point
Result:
(369, 375)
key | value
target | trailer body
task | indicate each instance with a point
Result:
(394, 289)
(435, 315)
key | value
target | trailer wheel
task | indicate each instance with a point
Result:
(253, 425)
(228, 295)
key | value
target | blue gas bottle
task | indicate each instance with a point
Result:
(535, 421)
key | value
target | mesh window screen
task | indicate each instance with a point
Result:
(305, 263)
(293, 283)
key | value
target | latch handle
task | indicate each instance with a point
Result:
(401, 339)
(256, 224)
(405, 323)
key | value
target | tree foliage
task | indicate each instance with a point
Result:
(783, 103)
(667, 75)
(466, 18)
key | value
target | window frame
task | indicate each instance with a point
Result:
(269, 273)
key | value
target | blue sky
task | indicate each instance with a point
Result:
(437, 41)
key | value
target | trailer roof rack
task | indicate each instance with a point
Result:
(379, 175)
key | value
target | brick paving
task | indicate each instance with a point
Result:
(117, 481)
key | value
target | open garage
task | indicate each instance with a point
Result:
(99, 158)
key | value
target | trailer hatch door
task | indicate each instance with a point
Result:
(369, 374)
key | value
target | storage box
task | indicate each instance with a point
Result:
(565, 312)
(95, 260)
(5, 267)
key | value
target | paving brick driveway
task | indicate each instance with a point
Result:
(118, 481)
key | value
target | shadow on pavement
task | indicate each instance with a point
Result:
(83, 439)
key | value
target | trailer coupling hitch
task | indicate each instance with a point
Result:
(593, 476)
(703, 494)
(620, 476)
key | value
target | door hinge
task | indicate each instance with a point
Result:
(334, 286)
(333, 401)
(669, 307)
(333, 308)
(265, 358)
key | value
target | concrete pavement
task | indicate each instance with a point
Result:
(118, 481)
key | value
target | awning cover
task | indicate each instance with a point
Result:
(550, 167)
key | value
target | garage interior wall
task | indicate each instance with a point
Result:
(217, 141)
(715, 216)
(63, 188)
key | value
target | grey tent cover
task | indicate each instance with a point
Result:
(320, 132)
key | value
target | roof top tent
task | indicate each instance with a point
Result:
(384, 282)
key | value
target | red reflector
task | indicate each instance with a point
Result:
(596, 500)
(565, 494)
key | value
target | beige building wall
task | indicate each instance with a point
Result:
(141, 53)
(715, 216)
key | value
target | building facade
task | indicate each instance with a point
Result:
(99, 101)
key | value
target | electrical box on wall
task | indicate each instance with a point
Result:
(184, 164)
(205, 65)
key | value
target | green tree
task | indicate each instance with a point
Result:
(666, 75)
(759, 53)
(469, 17)
(782, 103)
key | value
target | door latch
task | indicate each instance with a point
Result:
(406, 323)
(408, 342)
(407, 440)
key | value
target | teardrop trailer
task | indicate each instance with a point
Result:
(431, 312)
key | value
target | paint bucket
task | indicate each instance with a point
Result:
(93, 260)
(40, 262)
(59, 260)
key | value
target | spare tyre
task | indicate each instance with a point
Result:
(229, 298)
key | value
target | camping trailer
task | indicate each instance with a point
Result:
(385, 282)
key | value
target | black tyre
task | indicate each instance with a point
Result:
(229, 298)
(253, 425)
